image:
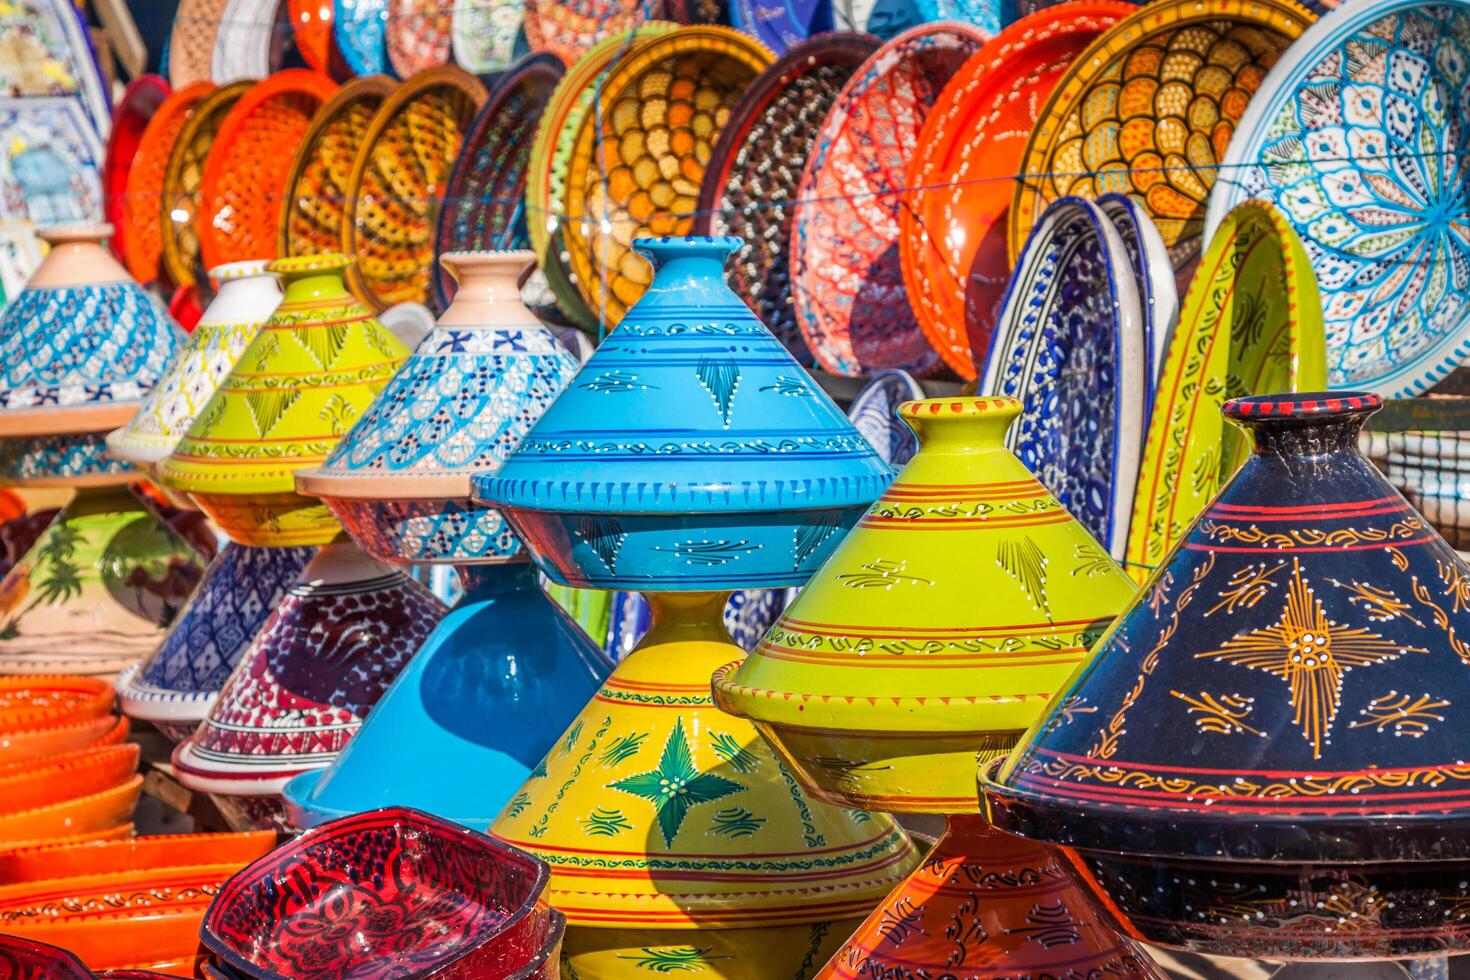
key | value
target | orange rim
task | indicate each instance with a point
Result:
(178, 205)
(143, 244)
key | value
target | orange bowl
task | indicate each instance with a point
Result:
(165, 938)
(70, 859)
(79, 816)
(52, 699)
(121, 831)
(31, 744)
(27, 785)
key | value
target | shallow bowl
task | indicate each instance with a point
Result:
(82, 815)
(25, 959)
(71, 859)
(44, 700)
(28, 744)
(45, 782)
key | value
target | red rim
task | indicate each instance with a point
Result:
(311, 24)
(145, 95)
(141, 215)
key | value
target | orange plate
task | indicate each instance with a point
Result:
(245, 172)
(119, 941)
(311, 22)
(34, 744)
(178, 204)
(52, 699)
(79, 816)
(145, 95)
(27, 785)
(70, 859)
(143, 243)
(138, 891)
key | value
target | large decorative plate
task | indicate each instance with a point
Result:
(359, 32)
(662, 110)
(418, 35)
(191, 42)
(142, 214)
(1251, 324)
(140, 102)
(846, 282)
(483, 33)
(952, 226)
(50, 162)
(45, 50)
(1158, 292)
(756, 166)
(885, 18)
(397, 181)
(1148, 109)
(245, 47)
(1360, 135)
(571, 28)
(1070, 346)
(988, 15)
(316, 186)
(781, 27)
(550, 154)
(245, 174)
(311, 24)
(484, 201)
(874, 413)
(183, 178)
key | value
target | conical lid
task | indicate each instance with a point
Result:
(247, 296)
(939, 628)
(657, 810)
(986, 905)
(319, 361)
(1287, 687)
(83, 344)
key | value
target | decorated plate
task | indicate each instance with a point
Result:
(191, 42)
(311, 24)
(50, 162)
(984, 14)
(183, 178)
(1158, 293)
(846, 281)
(484, 201)
(393, 195)
(483, 33)
(141, 208)
(571, 28)
(316, 186)
(781, 27)
(245, 174)
(1251, 324)
(662, 110)
(756, 166)
(359, 31)
(952, 226)
(884, 18)
(1148, 109)
(1070, 346)
(245, 47)
(418, 35)
(874, 413)
(45, 50)
(142, 99)
(547, 169)
(1359, 135)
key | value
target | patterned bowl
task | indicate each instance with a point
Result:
(418, 35)
(36, 743)
(142, 213)
(417, 894)
(191, 42)
(24, 959)
(183, 179)
(72, 859)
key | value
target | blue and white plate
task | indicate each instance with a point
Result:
(360, 30)
(44, 50)
(50, 162)
(874, 413)
(1158, 290)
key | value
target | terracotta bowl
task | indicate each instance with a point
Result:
(25, 960)
(416, 895)
(36, 743)
(120, 831)
(82, 815)
(32, 784)
(66, 860)
(52, 699)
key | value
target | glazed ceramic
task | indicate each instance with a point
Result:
(80, 815)
(50, 167)
(27, 744)
(989, 906)
(505, 651)
(247, 296)
(1105, 130)
(25, 959)
(874, 413)
(34, 702)
(570, 29)
(484, 33)
(883, 18)
(142, 99)
(1348, 144)
(783, 27)
(418, 36)
(1251, 323)
(684, 82)
(846, 278)
(96, 589)
(1158, 292)
(358, 32)
(399, 481)
(174, 687)
(196, 23)
(307, 680)
(1071, 345)
(311, 27)
(183, 177)
(246, 47)
(142, 215)
(748, 614)
(420, 897)
(70, 860)
(883, 677)
(31, 784)
(691, 367)
(46, 51)
(953, 221)
(319, 361)
(1270, 725)
(758, 159)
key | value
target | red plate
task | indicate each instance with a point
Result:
(954, 222)
(144, 95)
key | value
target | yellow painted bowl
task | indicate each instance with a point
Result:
(270, 520)
(771, 953)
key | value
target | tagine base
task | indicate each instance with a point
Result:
(773, 953)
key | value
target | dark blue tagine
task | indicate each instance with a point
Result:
(1265, 756)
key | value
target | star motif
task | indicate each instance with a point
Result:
(676, 786)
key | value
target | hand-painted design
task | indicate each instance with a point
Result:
(1091, 560)
(673, 959)
(605, 536)
(522, 800)
(424, 530)
(676, 786)
(1312, 654)
(1023, 561)
(614, 382)
(26, 459)
(813, 533)
(605, 823)
(51, 163)
(735, 822)
(709, 553)
(622, 748)
(1050, 925)
(882, 574)
(735, 755)
(1221, 715)
(1397, 712)
(793, 387)
(720, 377)
(1247, 586)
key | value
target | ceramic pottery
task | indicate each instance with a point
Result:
(245, 173)
(183, 177)
(247, 296)
(484, 34)
(246, 46)
(1261, 757)
(45, 50)
(311, 27)
(83, 815)
(399, 481)
(1429, 468)
(142, 215)
(50, 166)
(883, 18)
(319, 361)
(1251, 323)
(683, 83)
(692, 369)
(748, 614)
(1158, 292)
(1157, 95)
(883, 678)
(191, 43)
(26, 959)
(1395, 305)
(1070, 345)
(985, 905)
(874, 413)
(93, 593)
(505, 651)
(26, 744)
(846, 280)
(570, 29)
(759, 158)
(316, 186)
(395, 189)
(140, 102)
(27, 785)
(418, 36)
(660, 815)
(303, 686)
(358, 34)
(952, 226)
(484, 200)
(70, 860)
(48, 700)
(785, 27)
(175, 686)
(420, 897)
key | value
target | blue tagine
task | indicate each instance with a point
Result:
(506, 670)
